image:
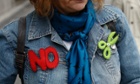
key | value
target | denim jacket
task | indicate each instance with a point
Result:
(122, 68)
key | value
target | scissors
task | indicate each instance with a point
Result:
(105, 46)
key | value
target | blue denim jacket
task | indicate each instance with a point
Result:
(122, 68)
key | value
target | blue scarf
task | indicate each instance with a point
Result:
(76, 28)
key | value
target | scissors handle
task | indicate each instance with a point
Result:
(102, 44)
(107, 53)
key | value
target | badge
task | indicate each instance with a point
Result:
(106, 46)
(43, 59)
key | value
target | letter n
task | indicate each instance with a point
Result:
(35, 60)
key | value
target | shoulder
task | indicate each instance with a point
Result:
(13, 25)
(10, 30)
(111, 13)
(108, 13)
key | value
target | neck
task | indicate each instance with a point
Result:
(66, 12)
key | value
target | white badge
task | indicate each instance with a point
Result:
(113, 46)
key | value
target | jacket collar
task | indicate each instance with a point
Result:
(41, 26)
(103, 16)
(38, 27)
(106, 14)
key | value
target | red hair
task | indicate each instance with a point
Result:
(45, 8)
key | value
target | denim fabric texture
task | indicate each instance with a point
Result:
(122, 68)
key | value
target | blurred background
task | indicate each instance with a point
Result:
(13, 9)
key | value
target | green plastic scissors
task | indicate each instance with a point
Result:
(105, 46)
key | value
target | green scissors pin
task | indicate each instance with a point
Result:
(105, 46)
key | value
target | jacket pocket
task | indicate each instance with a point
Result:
(112, 65)
(49, 75)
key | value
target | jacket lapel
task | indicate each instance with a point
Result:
(40, 27)
(95, 36)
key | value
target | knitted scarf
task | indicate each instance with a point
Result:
(76, 28)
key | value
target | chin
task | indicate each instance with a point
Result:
(79, 7)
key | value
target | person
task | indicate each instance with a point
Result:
(69, 42)
(131, 10)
